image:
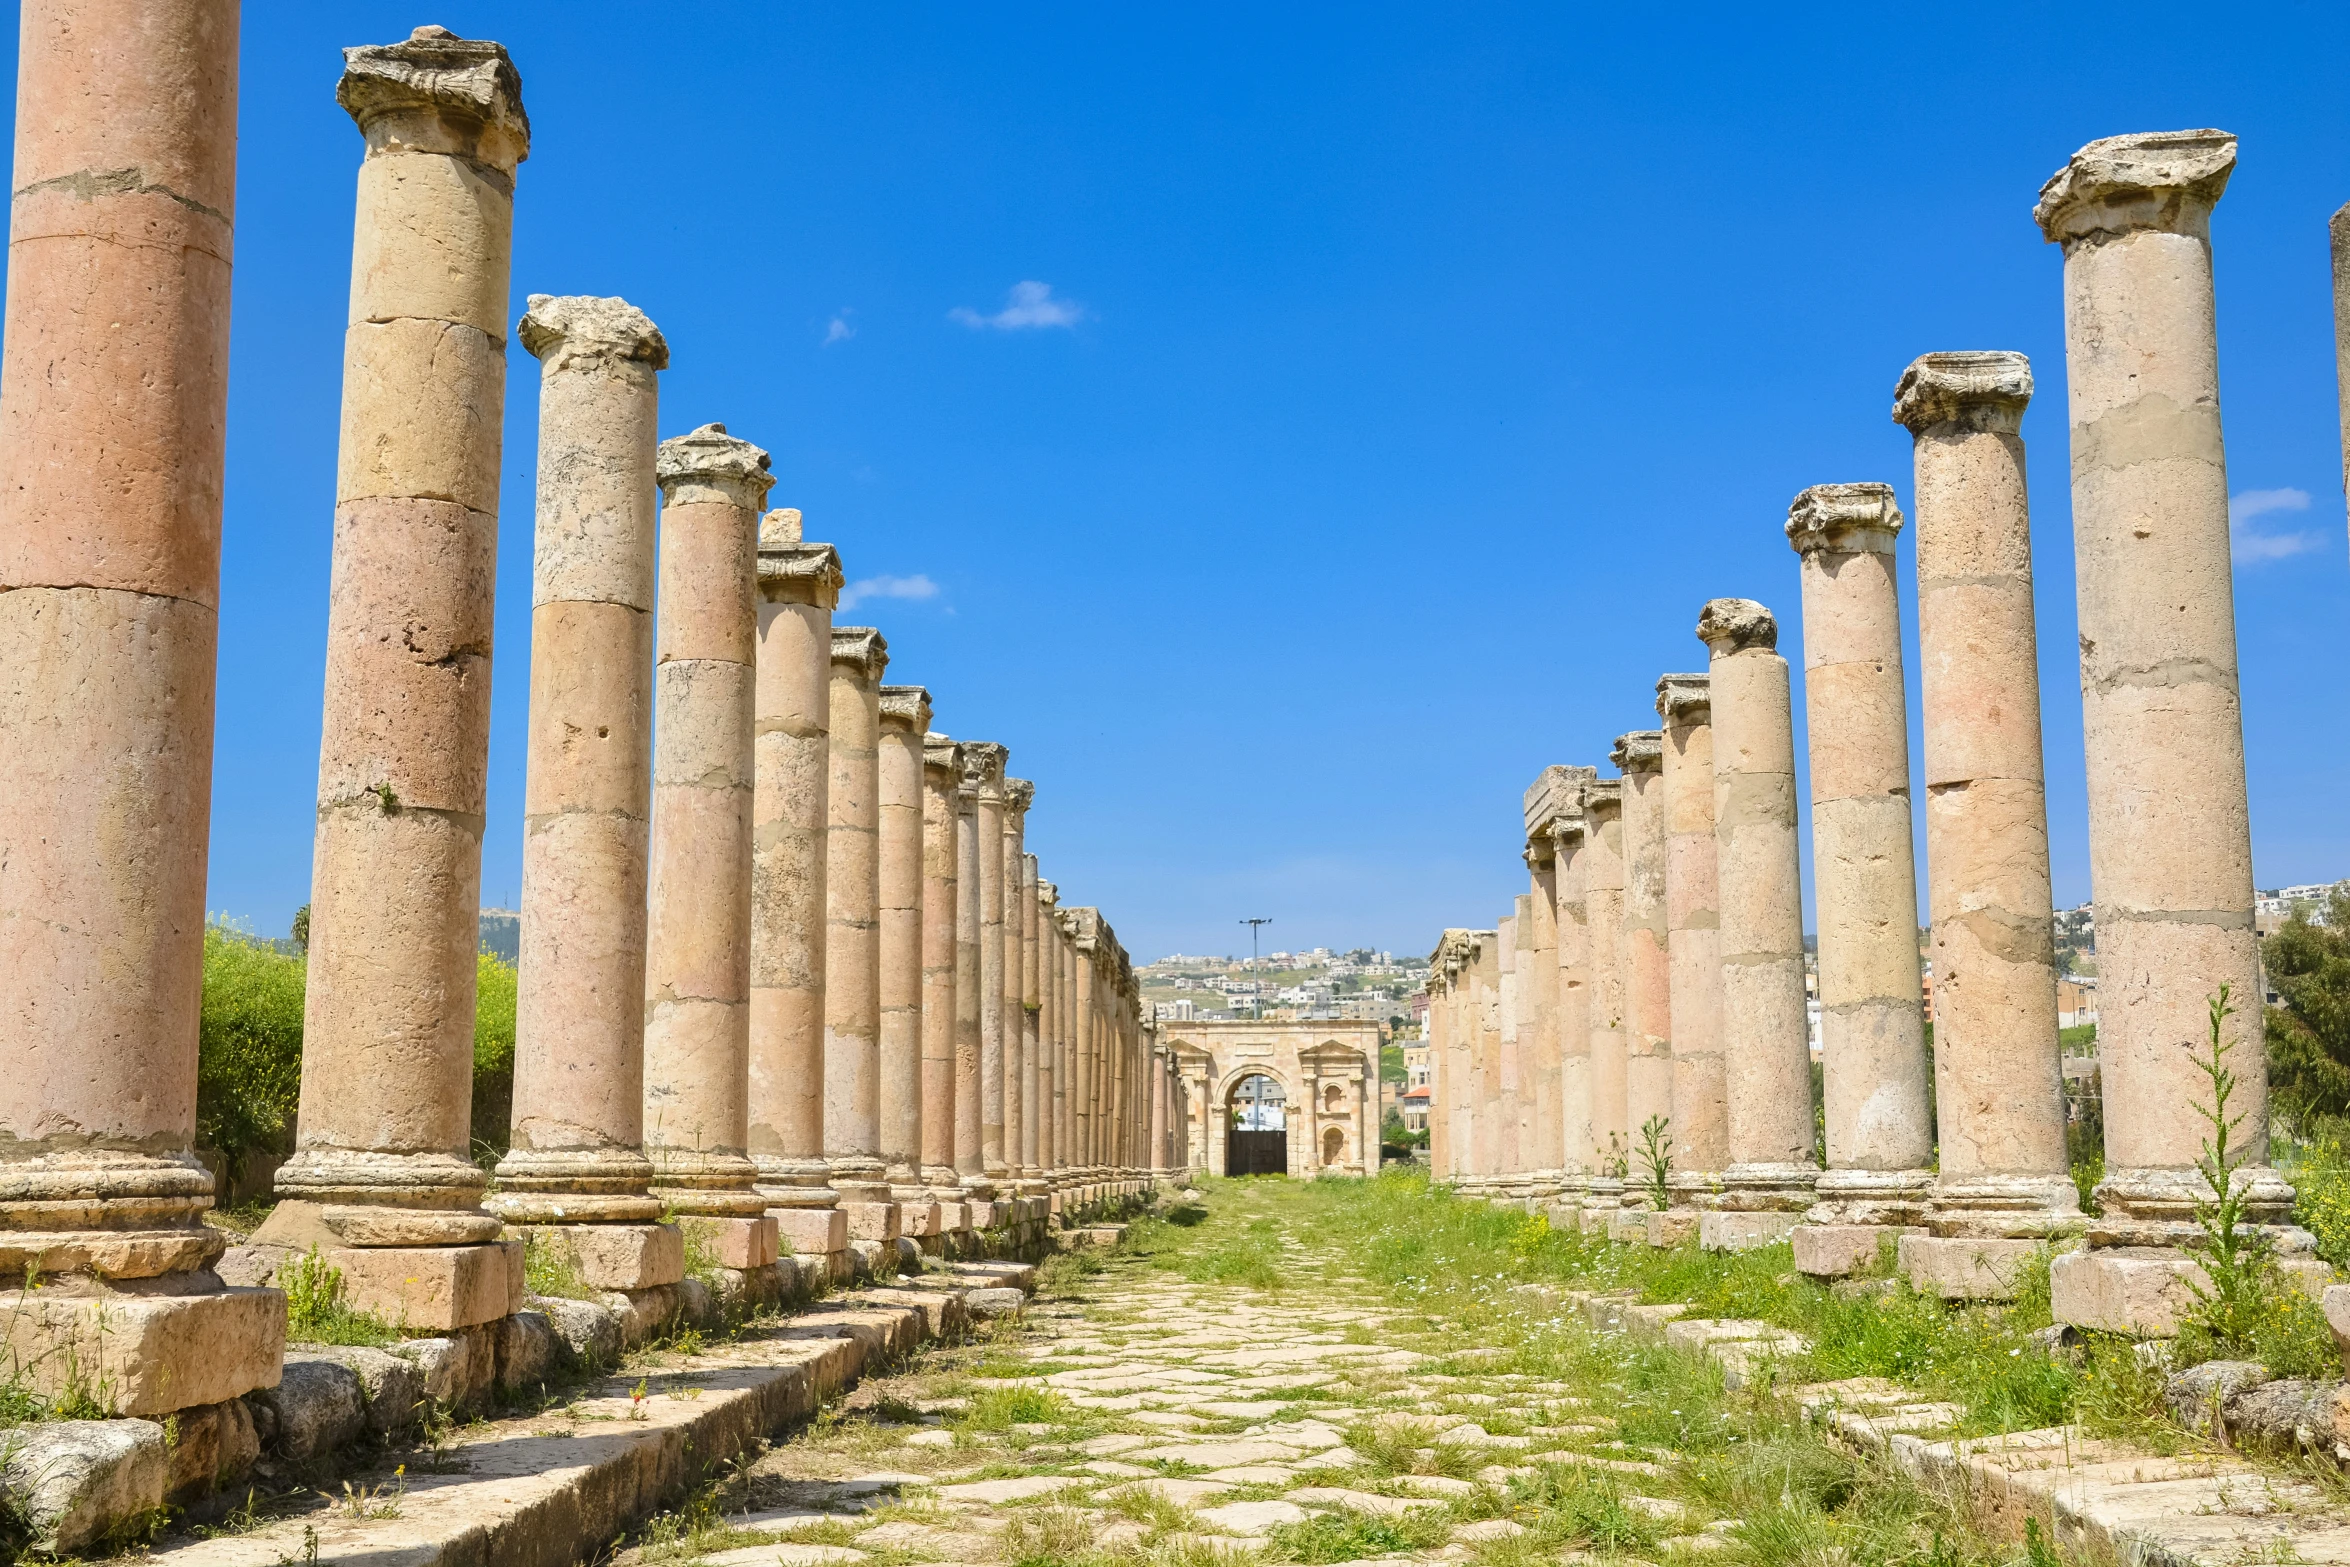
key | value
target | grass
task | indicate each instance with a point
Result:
(551, 1267)
(318, 1308)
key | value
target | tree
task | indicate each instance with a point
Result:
(2308, 1031)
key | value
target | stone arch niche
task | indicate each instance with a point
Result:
(1333, 1146)
(1256, 1125)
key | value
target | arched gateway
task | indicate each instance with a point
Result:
(1256, 1128)
(1279, 1098)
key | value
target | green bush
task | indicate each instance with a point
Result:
(493, 1059)
(2309, 1033)
(249, 1048)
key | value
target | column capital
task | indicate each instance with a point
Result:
(1019, 794)
(563, 331)
(941, 754)
(863, 648)
(1729, 626)
(1641, 751)
(2162, 180)
(792, 571)
(1685, 699)
(1602, 799)
(1848, 519)
(983, 768)
(1973, 390)
(1557, 795)
(437, 92)
(708, 466)
(907, 707)
(1047, 893)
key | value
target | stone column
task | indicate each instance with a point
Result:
(1052, 1148)
(1872, 1040)
(1701, 1088)
(942, 773)
(986, 760)
(852, 936)
(578, 1155)
(1019, 1053)
(1035, 1070)
(1539, 987)
(2169, 840)
(1645, 957)
(382, 1159)
(1766, 1030)
(905, 718)
(1158, 1112)
(2004, 1187)
(697, 1007)
(1089, 1061)
(113, 399)
(1554, 842)
(1602, 859)
(1508, 1105)
(970, 1161)
(799, 583)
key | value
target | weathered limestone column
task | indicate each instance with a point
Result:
(1035, 1073)
(1089, 1044)
(382, 1156)
(1051, 1147)
(1508, 1103)
(697, 992)
(1766, 1031)
(578, 1158)
(942, 775)
(852, 936)
(986, 760)
(1701, 1084)
(1602, 860)
(2004, 1187)
(1158, 1113)
(799, 583)
(1645, 962)
(905, 718)
(1540, 920)
(1019, 1049)
(1555, 829)
(1872, 1039)
(113, 398)
(970, 1159)
(2170, 854)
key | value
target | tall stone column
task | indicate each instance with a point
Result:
(1052, 1150)
(1545, 1152)
(1158, 1112)
(1089, 1062)
(1035, 1072)
(1701, 1086)
(799, 583)
(942, 774)
(113, 404)
(1509, 1105)
(2170, 856)
(2004, 1186)
(382, 1156)
(1555, 827)
(579, 1023)
(986, 760)
(905, 718)
(1766, 1029)
(1602, 859)
(1872, 1040)
(1019, 1052)
(852, 935)
(970, 1160)
(1644, 955)
(697, 995)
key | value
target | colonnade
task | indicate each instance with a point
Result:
(1650, 990)
(789, 975)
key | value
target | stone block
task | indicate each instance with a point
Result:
(2336, 1304)
(459, 1367)
(74, 1482)
(697, 1304)
(147, 1354)
(811, 1232)
(1963, 1268)
(618, 1256)
(431, 1288)
(871, 1221)
(216, 1448)
(733, 1243)
(1834, 1251)
(643, 1314)
(1670, 1227)
(391, 1388)
(587, 1333)
(986, 1304)
(1593, 1221)
(316, 1408)
(526, 1349)
(871, 1258)
(953, 1216)
(1744, 1231)
(918, 1219)
(909, 1254)
(984, 1215)
(2139, 1290)
(1562, 1216)
(1628, 1226)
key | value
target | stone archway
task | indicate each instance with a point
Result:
(1256, 1126)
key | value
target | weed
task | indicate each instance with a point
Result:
(1348, 1537)
(369, 1501)
(1001, 1408)
(1047, 1536)
(1656, 1161)
(318, 1308)
(551, 1267)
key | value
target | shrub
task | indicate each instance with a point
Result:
(493, 1058)
(2309, 1032)
(249, 1048)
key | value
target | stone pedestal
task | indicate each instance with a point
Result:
(382, 1157)
(737, 1243)
(1765, 1029)
(2146, 1291)
(1872, 1027)
(623, 1257)
(2170, 855)
(697, 1008)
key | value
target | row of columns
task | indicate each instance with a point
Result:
(788, 972)
(1651, 985)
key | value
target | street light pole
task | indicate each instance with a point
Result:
(1253, 960)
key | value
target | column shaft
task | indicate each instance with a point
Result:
(942, 771)
(852, 918)
(989, 781)
(905, 718)
(1701, 1086)
(1603, 923)
(970, 1162)
(1544, 1153)
(1643, 954)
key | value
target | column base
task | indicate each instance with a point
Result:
(1836, 1251)
(614, 1256)
(736, 1243)
(2156, 1207)
(1957, 1267)
(1880, 1198)
(155, 1346)
(1731, 1230)
(2005, 1207)
(1768, 1188)
(574, 1186)
(795, 1183)
(105, 1212)
(2145, 1290)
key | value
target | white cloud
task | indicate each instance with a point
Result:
(1030, 304)
(838, 330)
(914, 587)
(2251, 545)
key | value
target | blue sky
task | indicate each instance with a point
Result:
(1304, 422)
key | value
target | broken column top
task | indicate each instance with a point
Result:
(708, 466)
(791, 570)
(1641, 751)
(907, 705)
(1735, 625)
(1844, 518)
(580, 331)
(437, 92)
(1019, 793)
(1685, 699)
(862, 648)
(1047, 893)
(1601, 796)
(2166, 180)
(940, 751)
(983, 765)
(780, 526)
(1977, 391)
(1556, 794)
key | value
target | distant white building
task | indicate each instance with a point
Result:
(1181, 1010)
